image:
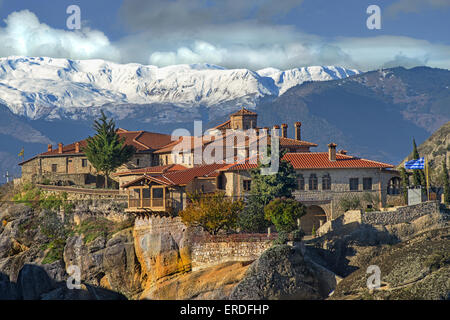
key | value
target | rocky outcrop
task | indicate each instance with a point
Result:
(415, 269)
(283, 272)
(162, 247)
(108, 263)
(214, 283)
(34, 283)
(102, 249)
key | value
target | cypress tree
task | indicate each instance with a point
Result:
(405, 184)
(418, 174)
(264, 189)
(446, 182)
(106, 151)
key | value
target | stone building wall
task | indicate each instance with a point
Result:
(216, 250)
(340, 187)
(401, 214)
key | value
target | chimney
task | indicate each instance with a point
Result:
(342, 151)
(49, 148)
(60, 147)
(284, 127)
(332, 151)
(77, 147)
(276, 128)
(298, 131)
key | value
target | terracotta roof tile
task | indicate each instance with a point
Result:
(152, 170)
(244, 111)
(317, 160)
(141, 140)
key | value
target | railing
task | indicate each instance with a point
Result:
(149, 203)
(134, 203)
(158, 202)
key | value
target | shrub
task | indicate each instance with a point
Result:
(283, 213)
(212, 212)
(350, 202)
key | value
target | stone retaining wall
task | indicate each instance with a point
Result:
(211, 251)
(401, 215)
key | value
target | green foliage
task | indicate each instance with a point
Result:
(212, 212)
(350, 202)
(55, 251)
(282, 238)
(283, 213)
(38, 199)
(418, 174)
(405, 184)
(446, 183)
(106, 151)
(371, 199)
(264, 189)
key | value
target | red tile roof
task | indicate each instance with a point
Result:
(320, 160)
(183, 177)
(141, 140)
(244, 111)
(317, 160)
(153, 169)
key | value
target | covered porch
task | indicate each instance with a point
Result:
(148, 194)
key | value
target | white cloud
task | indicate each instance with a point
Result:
(249, 44)
(24, 34)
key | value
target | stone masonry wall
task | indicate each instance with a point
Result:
(401, 215)
(208, 252)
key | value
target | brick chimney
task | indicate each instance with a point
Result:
(276, 128)
(298, 131)
(60, 148)
(284, 127)
(332, 151)
(77, 147)
(49, 148)
(342, 151)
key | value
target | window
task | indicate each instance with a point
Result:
(313, 182)
(84, 163)
(54, 167)
(300, 182)
(247, 185)
(326, 182)
(354, 183)
(394, 186)
(367, 183)
(138, 161)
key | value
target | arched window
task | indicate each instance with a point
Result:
(394, 186)
(300, 182)
(312, 182)
(326, 182)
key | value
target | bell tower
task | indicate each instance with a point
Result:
(243, 120)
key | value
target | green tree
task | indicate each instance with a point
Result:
(265, 188)
(283, 213)
(405, 184)
(418, 174)
(212, 212)
(446, 182)
(106, 151)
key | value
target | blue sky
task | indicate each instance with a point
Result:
(233, 33)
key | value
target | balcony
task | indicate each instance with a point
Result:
(145, 199)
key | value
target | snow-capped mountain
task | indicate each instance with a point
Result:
(46, 88)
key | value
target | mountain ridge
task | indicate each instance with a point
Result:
(37, 87)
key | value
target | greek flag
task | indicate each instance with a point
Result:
(415, 164)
